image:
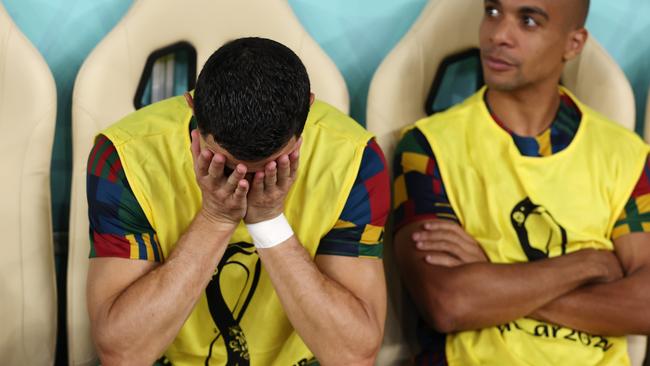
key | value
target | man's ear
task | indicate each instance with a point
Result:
(312, 97)
(575, 44)
(189, 100)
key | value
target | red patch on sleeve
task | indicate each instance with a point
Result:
(115, 168)
(378, 188)
(102, 160)
(110, 245)
(93, 154)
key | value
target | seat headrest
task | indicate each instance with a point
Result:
(25, 79)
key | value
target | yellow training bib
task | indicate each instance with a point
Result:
(522, 209)
(239, 319)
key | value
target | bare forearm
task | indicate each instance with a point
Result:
(138, 325)
(610, 309)
(337, 326)
(502, 292)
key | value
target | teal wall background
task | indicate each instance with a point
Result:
(356, 35)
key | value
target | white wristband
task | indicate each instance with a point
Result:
(269, 233)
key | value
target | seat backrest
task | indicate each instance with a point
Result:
(646, 126)
(400, 91)
(27, 120)
(108, 80)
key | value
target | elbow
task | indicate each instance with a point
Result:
(446, 311)
(644, 324)
(354, 360)
(112, 351)
(351, 359)
(365, 362)
(443, 321)
(365, 350)
(364, 356)
(369, 353)
(111, 356)
(361, 353)
(369, 361)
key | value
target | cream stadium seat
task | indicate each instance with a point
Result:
(399, 95)
(109, 78)
(27, 120)
(646, 126)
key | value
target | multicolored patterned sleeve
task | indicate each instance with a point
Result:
(418, 190)
(118, 226)
(359, 230)
(636, 215)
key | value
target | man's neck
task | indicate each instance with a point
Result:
(526, 112)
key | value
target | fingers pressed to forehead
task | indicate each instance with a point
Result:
(284, 169)
(258, 182)
(294, 161)
(242, 189)
(217, 165)
(233, 180)
(270, 174)
(203, 162)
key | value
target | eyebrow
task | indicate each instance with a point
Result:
(524, 10)
(531, 10)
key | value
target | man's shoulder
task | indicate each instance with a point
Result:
(453, 117)
(160, 117)
(608, 131)
(598, 123)
(169, 106)
(337, 123)
(456, 118)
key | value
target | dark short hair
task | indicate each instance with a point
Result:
(252, 96)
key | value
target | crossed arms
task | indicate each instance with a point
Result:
(457, 289)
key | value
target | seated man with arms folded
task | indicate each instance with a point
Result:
(173, 268)
(521, 213)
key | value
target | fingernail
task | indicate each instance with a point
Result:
(419, 244)
(416, 236)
